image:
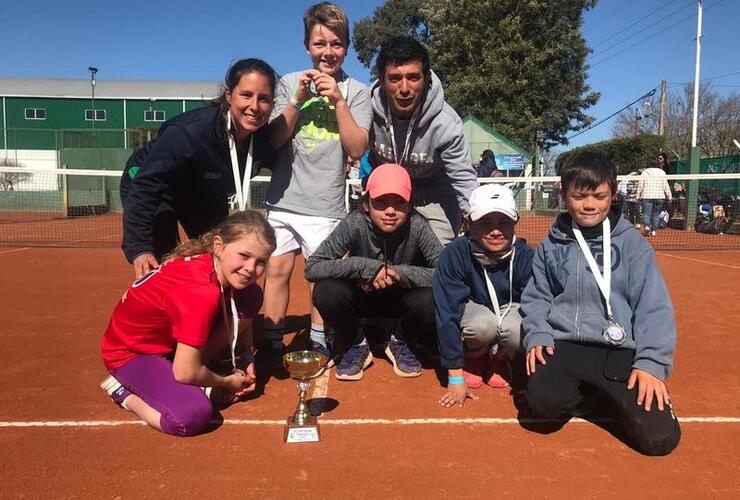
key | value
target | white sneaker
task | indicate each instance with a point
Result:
(652, 233)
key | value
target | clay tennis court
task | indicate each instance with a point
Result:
(382, 437)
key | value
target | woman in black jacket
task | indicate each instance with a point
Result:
(198, 161)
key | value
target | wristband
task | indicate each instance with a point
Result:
(295, 102)
(455, 380)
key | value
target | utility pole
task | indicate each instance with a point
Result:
(693, 194)
(661, 122)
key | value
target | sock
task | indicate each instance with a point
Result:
(274, 336)
(318, 334)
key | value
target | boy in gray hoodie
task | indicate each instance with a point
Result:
(600, 322)
(414, 127)
(378, 263)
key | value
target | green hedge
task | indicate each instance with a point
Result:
(628, 153)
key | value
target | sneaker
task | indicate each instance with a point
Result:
(115, 390)
(652, 233)
(404, 362)
(647, 231)
(316, 346)
(353, 362)
(473, 372)
(498, 372)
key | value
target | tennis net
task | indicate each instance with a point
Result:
(82, 208)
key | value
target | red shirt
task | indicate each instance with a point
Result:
(178, 302)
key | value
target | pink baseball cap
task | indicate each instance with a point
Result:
(389, 179)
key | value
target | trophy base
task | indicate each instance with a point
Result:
(306, 433)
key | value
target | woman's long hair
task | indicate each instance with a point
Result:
(231, 229)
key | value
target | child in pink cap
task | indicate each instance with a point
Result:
(378, 262)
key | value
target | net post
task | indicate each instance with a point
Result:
(692, 196)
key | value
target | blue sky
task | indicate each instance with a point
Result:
(193, 40)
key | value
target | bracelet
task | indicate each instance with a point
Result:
(455, 380)
(295, 102)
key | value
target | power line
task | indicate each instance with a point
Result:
(644, 96)
(707, 79)
(654, 35)
(611, 13)
(611, 37)
(643, 29)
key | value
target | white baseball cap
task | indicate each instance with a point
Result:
(492, 198)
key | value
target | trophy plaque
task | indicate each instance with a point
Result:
(302, 427)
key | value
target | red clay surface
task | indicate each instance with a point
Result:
(56, 303)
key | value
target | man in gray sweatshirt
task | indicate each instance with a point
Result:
(414, 127)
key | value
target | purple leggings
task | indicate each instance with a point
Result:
(185, 409)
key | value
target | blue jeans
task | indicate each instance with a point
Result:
(651, 212)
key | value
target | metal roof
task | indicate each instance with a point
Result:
(107, 89)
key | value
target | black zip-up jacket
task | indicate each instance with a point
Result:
(186, 170)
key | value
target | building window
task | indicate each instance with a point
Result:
(35, 114)
(100, 115)
(154, 115)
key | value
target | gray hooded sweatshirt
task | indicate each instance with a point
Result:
(356, 250)
(438, 159)
(563, 301)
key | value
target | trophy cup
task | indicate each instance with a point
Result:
(302, 427)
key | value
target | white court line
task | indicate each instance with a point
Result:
(352, 421)
(15, 250)
(697, 260)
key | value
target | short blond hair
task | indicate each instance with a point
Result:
(327, 14)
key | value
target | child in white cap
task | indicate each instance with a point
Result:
(477, 288)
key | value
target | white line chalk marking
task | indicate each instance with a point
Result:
(351, 421)
(697, 260)
(15, 250)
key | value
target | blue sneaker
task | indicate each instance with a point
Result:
(353, 362)
(115, 390)
(316, 346)
(404, 362)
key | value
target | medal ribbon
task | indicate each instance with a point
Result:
(492, 291)
(242, 188)
(407, 144)
(233, 330)
(603, 281)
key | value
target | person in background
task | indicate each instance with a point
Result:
(653, 191)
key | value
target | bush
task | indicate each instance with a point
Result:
(627, 153)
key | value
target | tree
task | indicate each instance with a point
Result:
(627, 153)
(10, 180)
(719, 121)
(518, 65)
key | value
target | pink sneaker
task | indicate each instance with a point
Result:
(497, 372)
(473, 372)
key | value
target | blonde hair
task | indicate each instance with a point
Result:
(231, 229)
(327, 14)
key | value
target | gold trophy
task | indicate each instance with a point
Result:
(303, 427)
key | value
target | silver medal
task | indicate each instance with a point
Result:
(614, 333)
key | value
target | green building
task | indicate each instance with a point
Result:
(510, 156)
(53, 114)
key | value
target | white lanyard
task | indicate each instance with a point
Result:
(234, 330)
(242, 188)
(603, 281)
(492, 291)
(392, 133)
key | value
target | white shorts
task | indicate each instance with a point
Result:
(293, 231)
